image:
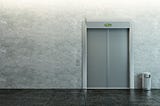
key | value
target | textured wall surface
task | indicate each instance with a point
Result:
(40, 40)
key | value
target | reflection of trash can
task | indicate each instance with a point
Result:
(146, 81)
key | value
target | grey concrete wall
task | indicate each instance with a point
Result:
(40, 40)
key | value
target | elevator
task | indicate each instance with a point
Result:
(108, 63)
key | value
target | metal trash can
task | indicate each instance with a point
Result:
(146, 81)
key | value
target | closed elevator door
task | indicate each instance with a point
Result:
(107, 58)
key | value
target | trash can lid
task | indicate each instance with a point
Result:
(147, 75)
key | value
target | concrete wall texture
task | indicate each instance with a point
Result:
(40, 40)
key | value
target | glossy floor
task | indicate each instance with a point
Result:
(79, 98)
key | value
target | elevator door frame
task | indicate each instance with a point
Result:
(106, 25)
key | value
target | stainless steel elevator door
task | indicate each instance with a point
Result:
(107, 58)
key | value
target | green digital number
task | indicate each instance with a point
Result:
(107, 25)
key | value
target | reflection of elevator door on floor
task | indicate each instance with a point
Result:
(107, 58)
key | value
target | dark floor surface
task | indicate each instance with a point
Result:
(79, 98)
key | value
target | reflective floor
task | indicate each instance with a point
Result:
(79, 98)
